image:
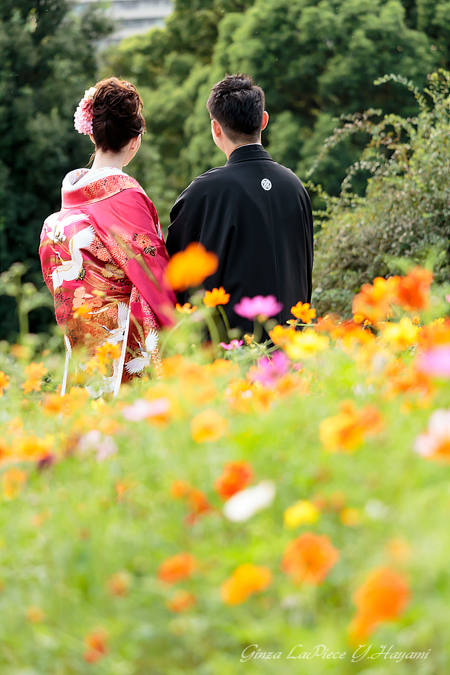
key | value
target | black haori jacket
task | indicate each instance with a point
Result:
(256, 216)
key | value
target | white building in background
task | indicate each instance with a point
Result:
(134, 16)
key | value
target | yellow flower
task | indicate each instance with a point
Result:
(12, 482)
(350, 517)
(217, 296)
(34, 372)
(304, 344)
(400, 335)
(245, 580)
(208, 426)
(82, 311)
(303, 312)
(300, 513)
(186, 308)
(4, 382)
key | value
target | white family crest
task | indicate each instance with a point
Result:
(266, 184)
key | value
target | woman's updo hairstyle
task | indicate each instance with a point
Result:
(117, 114)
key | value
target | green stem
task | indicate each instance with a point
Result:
(169, 335)
(257, 331)
(225, 320)
(214, 333)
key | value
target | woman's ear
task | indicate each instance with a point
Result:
(265, 120)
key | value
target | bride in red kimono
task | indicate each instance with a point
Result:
(103, 254)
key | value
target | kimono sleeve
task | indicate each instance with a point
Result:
(128, 226)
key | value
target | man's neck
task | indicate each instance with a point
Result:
(229, 151)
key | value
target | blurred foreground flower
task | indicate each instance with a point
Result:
(234, 344)
(186, 308)
(218, 296)
(260, 307)
(104, 446)
(304, 344)
(119, 583)
(141, 409)
(177, 568)
(301, 513)
(347, 430)
(181, 601)
(400, 335)
(4, 382)
(34, 614)
(435, 443)
(373, 303)
(309, 558)
(244, 504)
(436, 362)
(189, 268)
(208, 426)
(236, 476)
(96, 646)
(13, 481)
(382, 597)
(268, 371)
(413, 289)
(245, 580)
(34, 372)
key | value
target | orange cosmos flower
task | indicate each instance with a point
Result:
(195, 499)
(191, 267)
(373, 303)
(382, 597)
(208, 426)
(5, 451)
(217, 296)
(119, 583)
(400, 335)
(4, 382)
(186, 308)
(34, 372)
(181, 601)
(236, 477)
(107, 352)
(96, 646)
(347, 430)
(436, 333)
(309, 558)
(221, 367)
(34, 615)
(413, 290)
(303, 312)
(12, 482)
(280, 335)
(82, 311)
(33, 448)
(177, 568)
(245, 580)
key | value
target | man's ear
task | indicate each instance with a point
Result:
(265, 120)
(216, 129)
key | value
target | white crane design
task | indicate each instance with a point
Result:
(116, 335)
(70, 270)
(54, 228)
(151, 343)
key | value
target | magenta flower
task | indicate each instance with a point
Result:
(234, 344)
(436, 362)
(269, 371)
(260, 306)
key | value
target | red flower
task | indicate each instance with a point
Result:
(235, 477)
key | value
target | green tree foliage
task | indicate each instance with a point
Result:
(405, 212)
(315, 60)
(48, 58)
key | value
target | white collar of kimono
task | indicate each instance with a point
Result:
(82, 177)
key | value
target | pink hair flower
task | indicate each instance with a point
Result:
(259, 307)
(83, 117)
(234, 344)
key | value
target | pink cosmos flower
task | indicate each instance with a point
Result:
(84, 117)
(234, 344)
(259, 306)
(435, 444)
(436, 362)
(141, 409)
(104, 446)
(268, 371)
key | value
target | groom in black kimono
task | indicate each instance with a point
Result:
(253, 213)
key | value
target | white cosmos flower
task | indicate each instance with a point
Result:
(244, 504)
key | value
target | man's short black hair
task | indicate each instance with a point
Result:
(238, 105)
